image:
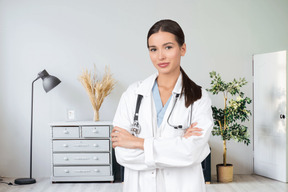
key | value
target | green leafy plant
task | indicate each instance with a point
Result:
(228, 121)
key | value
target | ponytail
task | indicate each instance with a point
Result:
(190, 90)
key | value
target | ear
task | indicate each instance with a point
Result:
(183, 49)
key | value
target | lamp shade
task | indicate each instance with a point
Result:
(49, 81)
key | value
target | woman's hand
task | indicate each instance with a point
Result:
(193, 131)
(122, 138)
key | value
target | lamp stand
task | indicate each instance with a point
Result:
(49, 82)
(25, 181)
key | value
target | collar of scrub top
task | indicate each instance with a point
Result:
(160, 108)
(147, 85)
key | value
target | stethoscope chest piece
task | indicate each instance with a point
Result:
(135, 128)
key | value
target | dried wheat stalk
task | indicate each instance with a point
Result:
(97, 90)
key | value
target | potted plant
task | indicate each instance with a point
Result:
(228, 120)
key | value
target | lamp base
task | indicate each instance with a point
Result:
(24, 181)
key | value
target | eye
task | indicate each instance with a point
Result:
(168, 47)
(153, 49)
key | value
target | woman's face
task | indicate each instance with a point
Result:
(165, 52)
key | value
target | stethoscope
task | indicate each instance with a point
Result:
(136, 128)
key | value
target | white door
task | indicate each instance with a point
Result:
(270, 139)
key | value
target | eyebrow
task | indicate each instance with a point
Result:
(152, 46)
(168, 43)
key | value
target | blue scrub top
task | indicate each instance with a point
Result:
(160, 109)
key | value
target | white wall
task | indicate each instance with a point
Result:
(66, 36)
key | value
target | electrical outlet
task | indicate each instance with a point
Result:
(71, 114)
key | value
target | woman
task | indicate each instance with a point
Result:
(175, 118)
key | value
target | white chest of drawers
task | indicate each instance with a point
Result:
(81, 151)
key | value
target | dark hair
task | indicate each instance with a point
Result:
(168, 26)
(191, 90)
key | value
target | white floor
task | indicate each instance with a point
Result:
(241, 183)
(248, 183)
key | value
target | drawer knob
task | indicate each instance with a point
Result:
(95, 145)
(66, 132)
(66, 171)
(97, 170)
(65, 145)
(95, 131)
(95, 158)
(66, 158)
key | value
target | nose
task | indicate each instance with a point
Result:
(161, 55)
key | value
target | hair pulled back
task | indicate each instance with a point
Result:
(191, 90)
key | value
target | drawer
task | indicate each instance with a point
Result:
(81, 159)
(95, 131)
(82, 171)
(65, 132)
(81, 145)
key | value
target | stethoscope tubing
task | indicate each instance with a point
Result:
(179, 126)
(135, 127)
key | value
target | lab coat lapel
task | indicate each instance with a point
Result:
(178, 86)
(148, 106)
(145, 87)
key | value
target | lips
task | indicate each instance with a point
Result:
(163, 65)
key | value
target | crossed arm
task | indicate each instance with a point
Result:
(150, 153)
(122, 138)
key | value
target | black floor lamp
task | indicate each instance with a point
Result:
(49, 82)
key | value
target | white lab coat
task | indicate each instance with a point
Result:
(178, 158)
